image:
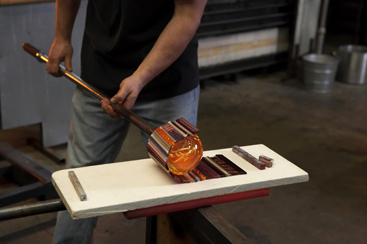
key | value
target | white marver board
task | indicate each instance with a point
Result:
(119, 187)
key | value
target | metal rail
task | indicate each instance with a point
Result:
(31, 209)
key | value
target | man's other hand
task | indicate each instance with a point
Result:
(127, 95)
(60, 51)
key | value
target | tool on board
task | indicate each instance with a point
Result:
(77, 186)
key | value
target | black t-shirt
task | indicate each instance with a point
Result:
(119, 35)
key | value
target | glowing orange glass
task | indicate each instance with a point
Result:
(185, 155)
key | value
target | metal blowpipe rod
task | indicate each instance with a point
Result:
(119, 108)
(31, 209)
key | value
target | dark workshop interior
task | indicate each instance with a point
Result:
(266, 96)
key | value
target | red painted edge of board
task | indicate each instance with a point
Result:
(197, 203)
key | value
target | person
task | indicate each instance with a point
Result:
(141, 53)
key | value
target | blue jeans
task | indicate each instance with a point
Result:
(96, 138)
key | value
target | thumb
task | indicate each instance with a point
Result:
(116, 99)
(68, 63)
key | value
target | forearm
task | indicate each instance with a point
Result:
(173, 40)
(66, 11)
(169, 46)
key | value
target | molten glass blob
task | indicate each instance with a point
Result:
(185, 155)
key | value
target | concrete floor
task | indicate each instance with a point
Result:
(324, 134)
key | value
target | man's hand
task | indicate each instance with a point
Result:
(60, 51)
(127, 95)
(106, 105)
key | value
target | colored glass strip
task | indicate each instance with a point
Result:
(172, 132)
(231, 164)
(188, 126)
(165, 136)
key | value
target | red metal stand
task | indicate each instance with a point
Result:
(174, 207)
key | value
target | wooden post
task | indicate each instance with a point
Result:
(169, 231)
(203, 225)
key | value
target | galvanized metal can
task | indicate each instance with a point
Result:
(353, 64)
(318, 72)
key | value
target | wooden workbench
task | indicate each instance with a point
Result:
(139, 184)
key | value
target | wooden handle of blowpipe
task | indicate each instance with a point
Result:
(30, 49)
(119, 108)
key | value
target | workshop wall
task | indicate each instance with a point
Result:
(306, 26)
(29, 95)
(348, 18)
